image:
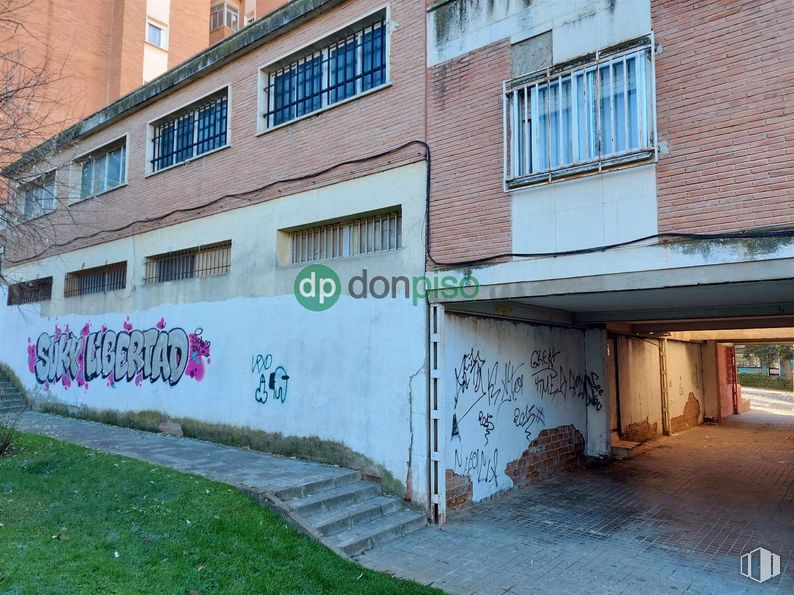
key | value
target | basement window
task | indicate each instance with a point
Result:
(30, 292)
(344, 65)
(353, 237)
(580, 116)
(202, 261)
(109, 277)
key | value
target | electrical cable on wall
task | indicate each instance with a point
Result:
(248, 194)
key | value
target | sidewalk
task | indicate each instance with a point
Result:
(244, 469)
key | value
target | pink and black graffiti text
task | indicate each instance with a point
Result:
(130, 355)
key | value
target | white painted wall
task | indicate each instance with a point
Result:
(504, 383)
(594, 210)
(461, 26)
(640, 382)
(684, 376)
(349, 367)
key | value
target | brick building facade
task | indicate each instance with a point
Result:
(545, 150)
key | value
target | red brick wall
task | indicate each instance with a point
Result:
(459, 489)
(189, 29)
(359, 128)
(470, 214)
(555, 449)
(725, 90)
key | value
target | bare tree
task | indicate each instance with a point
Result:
(29, 108)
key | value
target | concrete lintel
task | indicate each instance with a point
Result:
(512, 311)
(710, 274)
(716, 324)
(753, 335)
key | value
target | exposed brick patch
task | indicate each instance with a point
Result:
(459, 489)
(555, 449)
(641, 431)
(689, 418)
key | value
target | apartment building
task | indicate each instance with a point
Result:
(95, 52)
(609, 228)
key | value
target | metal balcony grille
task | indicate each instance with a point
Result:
(191, 133)
(579, 117)
(368, 235)
(29, 292)
(202, 261)
(343, 68)
(109, 277)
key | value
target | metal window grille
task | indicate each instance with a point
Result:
(110, 277)
(342, 68)
(29, 292)
(103, 171)
(202, 261)
(583, 115)
(224, 15)
(38, 196)
(198, 130)
(379, 233)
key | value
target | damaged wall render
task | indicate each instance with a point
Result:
(518, 398)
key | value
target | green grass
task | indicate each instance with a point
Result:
(762, 381)
(73, 520)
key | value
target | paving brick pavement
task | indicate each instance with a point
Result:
(673, 519)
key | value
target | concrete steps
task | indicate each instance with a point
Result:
(11, 400)
(350, 513)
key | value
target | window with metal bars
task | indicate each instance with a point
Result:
(366, 235)
(109, 277)
(38, 196)
(201, 261)
(579, 118)
(191, 132)
(30, 292)
(345, 65)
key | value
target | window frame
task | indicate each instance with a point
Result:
(226, 10)
(345, 235)
(72, 285)
(21, 193)
(153, 264)
(150, 22)
(319, 45)
(41, 280)
(78, 163)
(571, 68)
(180, 111)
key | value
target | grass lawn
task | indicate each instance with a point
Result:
(73, 520)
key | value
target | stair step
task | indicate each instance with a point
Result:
(346, 477)
(7, 394)
(347, 517)
(366, 536)
(335, 497)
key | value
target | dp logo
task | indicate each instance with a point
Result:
(317, 287)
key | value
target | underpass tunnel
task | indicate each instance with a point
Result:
(530, 379)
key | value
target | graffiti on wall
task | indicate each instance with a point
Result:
(554, 380)
(484, 387)
(155, 354)
(271, 385)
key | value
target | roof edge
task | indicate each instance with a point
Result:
(245, 40)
